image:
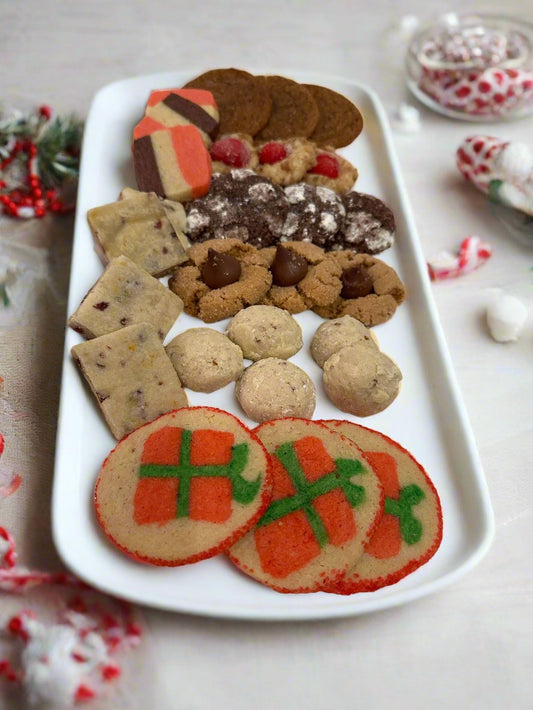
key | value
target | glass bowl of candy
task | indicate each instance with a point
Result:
(473, 66)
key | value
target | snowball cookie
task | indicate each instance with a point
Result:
(205, 359)
(361, 380)
(265, 331)
(338, 333)
(274, 388)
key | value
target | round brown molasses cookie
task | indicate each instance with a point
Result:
(371, 290)
(369, 225)
(243, 100)
(317, 280)
(285, 162)
(331, 170)
(240, 205)
(339, 120)
(316, 214)
(211, 299)
(294, 110)
(233, 151)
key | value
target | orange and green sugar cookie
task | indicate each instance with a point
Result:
(183, 487)
(410, 531)
(326, 502)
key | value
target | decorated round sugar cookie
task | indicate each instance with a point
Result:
(183, 487)
(326, 502)
(410, 531)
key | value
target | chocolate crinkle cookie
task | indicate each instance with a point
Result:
(316, 214)
(369, 225)
(239, 205)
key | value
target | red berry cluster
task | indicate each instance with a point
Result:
(30, 199)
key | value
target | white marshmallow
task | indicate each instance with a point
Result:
(506, 316)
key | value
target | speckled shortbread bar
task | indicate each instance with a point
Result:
(125, 295)
(131, 376)
(143, 228)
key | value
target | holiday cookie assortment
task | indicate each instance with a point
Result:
(246, 205)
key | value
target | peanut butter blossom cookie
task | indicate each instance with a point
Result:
(410, 531)
(183, 487)
(326, 503)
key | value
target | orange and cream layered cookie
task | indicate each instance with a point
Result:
(183, 107)
(410, 531)
(173, 163)
(326, 503)
(184, 487)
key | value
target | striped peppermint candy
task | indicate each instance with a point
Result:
(476, 158)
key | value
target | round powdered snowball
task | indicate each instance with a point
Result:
(265, 331)
(273, 388)
(506, 317)
(361, 380)
(335, 334)
(205, 359)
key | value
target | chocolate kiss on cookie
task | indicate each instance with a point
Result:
(410, 531)
(339, 120)
(294, 111)
(288, 267)
(220, 270)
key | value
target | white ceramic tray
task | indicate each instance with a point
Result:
(428, 417)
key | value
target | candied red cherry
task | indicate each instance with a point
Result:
(230, 151)
(327, 165)
(272, 153)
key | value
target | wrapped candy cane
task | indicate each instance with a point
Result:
(501, 169)
(472, 253)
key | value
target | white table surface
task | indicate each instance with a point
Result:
(468, 646)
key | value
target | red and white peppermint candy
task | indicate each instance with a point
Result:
(472, 254)
(476, 159)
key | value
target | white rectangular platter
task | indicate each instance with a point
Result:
(427, 418)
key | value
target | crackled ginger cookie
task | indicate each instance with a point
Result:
(243, 100)
(294, 110)
(339, 120)
(371, 289)
(221, 277)
(302, 276)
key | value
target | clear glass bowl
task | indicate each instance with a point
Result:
(473, 66)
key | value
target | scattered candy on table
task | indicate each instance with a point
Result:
(501, 169)
(506, 316)
(473, 252)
